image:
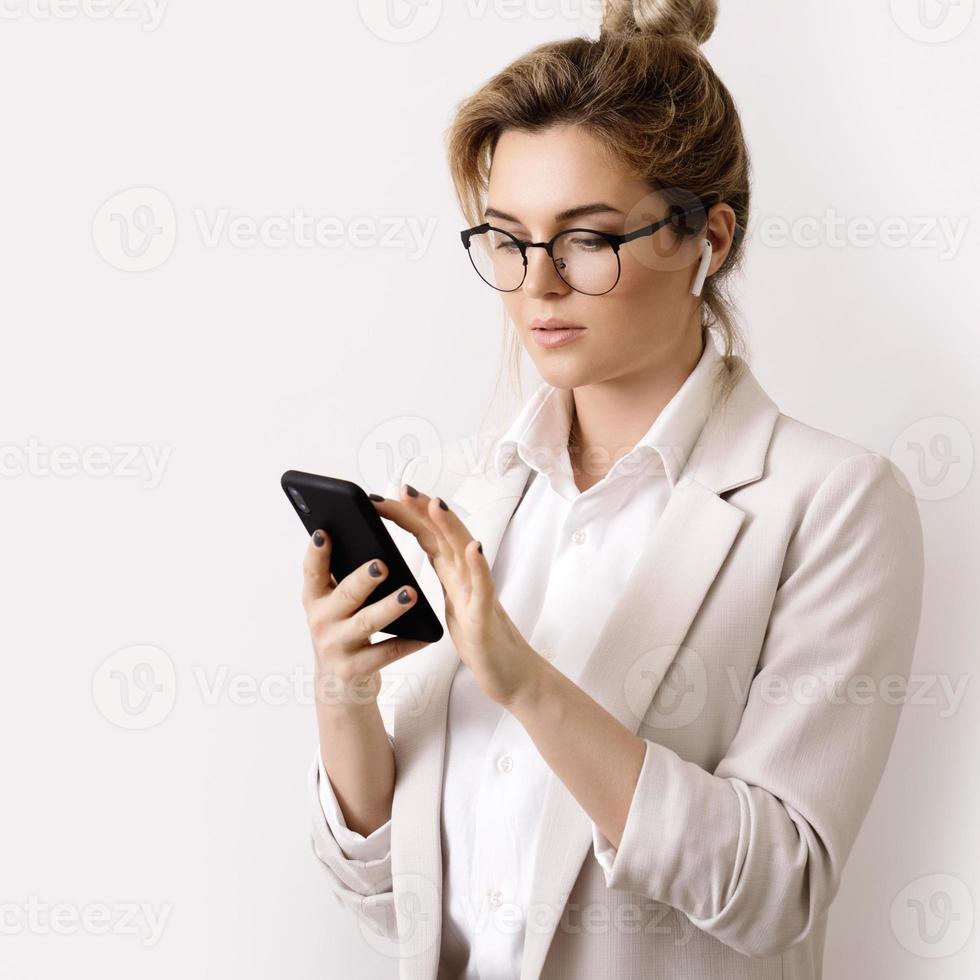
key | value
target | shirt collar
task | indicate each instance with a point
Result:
(539, 433)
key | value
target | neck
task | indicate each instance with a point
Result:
(609, 418)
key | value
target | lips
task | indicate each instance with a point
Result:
(556, 337)
(552, 323)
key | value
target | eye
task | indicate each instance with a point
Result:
(586, 243)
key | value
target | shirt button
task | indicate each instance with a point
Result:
(548, 653)
(496, 897)
(578, 536)
(505, 763)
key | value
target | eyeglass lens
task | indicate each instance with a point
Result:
(587, 263)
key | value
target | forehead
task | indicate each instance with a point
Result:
(536, 175)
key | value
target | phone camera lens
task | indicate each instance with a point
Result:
(298, 498)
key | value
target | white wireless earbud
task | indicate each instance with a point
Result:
(702, 275)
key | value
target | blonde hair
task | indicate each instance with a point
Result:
(646, 92)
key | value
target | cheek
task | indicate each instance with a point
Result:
(641, 285)
(513, 306)
(649, 268)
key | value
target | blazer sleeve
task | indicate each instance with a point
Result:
(753, 852)
(362, 885)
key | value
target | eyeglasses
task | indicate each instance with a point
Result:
(586, 260)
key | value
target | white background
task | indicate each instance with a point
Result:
(236, 363)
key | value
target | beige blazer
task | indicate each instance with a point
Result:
(786, 558)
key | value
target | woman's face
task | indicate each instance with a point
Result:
(650, 318)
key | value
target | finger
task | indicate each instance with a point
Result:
(481, 579)
(455, 533)
(352, 590)
(438, 549)
(407, 515)
(384, 652)
(441, 554)
(449, 525)
(446, 550)
(316, 568)
(363, 624)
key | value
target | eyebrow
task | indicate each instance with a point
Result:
(597, 207)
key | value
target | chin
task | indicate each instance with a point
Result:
(563, 376)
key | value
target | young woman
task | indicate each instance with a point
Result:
(676, 617)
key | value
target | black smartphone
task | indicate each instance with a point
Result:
(357, 534)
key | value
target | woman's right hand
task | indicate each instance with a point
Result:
(348, 665)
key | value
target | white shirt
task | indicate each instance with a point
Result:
(560, 544)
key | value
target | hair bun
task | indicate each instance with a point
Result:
(690, 18)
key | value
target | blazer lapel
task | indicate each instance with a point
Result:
(420, 712)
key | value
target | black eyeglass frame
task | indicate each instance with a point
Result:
(615, 241)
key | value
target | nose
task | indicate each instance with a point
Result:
(542, 277)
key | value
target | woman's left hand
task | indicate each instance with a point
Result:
(486, 639)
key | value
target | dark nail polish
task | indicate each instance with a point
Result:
(443, 504)
(404, 598)
(480, 549)
(318, 539)
(412, 492)
(375, 496)
(373, 570)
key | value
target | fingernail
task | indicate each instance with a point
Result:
(480, 549)
(404, 598)
(375, 496)
(412, 492)
(443, 504)
(373, 570)
(318, 539)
